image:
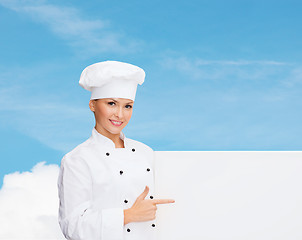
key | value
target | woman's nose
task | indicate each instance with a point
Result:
(119, 112)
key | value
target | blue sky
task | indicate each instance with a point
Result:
(220, 75)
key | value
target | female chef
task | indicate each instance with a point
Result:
(106, 184)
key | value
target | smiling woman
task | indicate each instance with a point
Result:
(106, 184)
(111, 116)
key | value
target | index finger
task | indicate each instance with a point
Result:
(163, 201)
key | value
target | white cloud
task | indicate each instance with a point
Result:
(200, 62)
(48, 120)
(29, 204)
(199, 69)
(294, 79)
(86, 36)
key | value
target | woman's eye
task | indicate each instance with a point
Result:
(128, 106)
(111, 103)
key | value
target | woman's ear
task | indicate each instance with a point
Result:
(92, 105)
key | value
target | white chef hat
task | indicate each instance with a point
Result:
(112, 79)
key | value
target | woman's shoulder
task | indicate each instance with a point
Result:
(79, 152)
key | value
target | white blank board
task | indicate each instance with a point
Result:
(229, 195)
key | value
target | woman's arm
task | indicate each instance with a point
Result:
(77, 219)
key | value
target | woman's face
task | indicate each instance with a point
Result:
(111, 114)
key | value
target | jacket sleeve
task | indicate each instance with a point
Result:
(77, 218)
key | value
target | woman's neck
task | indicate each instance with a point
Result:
(118, 142)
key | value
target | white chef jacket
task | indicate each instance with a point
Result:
(97, 182)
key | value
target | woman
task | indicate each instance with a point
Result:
(106, 184)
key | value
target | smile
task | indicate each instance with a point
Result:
(116, 123)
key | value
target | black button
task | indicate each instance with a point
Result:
(148, 169)
(153, 225)
(133, 150)
(125, 200)
(151, 197)
(128, 230)
(107, 154)
(83, 212)
(121, 172)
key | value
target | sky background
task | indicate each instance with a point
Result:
(220, 75)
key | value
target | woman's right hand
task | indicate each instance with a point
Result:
(143, 209)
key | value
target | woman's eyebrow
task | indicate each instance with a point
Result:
(116, 101)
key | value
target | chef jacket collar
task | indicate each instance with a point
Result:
(105, 140)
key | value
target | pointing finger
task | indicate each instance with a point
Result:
(163, 201)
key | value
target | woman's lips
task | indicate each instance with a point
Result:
(116, 123)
